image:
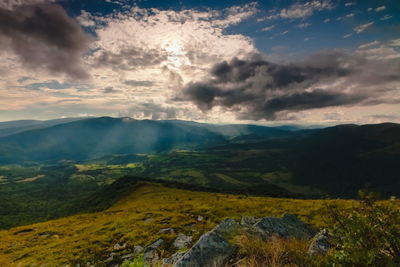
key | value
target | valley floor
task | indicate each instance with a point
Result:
(136, 220)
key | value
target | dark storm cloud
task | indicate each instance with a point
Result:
(259, 89)
(129, 58)
(44, 36)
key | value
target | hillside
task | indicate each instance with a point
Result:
(136, 219)
(91, 138)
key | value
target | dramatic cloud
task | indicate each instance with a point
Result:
(258, 89)
(44, 36)
(11, 4)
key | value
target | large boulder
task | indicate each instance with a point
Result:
(213, 248)
(287, 226)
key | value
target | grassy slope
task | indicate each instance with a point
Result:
(89, 237)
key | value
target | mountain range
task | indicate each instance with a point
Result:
(336, 160)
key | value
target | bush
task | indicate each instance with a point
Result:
(367, 234)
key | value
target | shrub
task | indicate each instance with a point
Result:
(367, 234)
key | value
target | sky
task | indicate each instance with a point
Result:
(262, 62)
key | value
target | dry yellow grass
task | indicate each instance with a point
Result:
(136, 220)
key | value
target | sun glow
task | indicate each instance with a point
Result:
(176, 55)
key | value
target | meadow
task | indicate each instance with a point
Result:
(136, 219)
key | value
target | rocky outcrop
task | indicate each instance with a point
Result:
(217, 246)
(213, 248)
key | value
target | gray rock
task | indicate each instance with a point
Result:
(213, 248)
(138, 249)
(109, 259)
(320, 243)
(154, 245)
(150, 256)
(119, 246)
(182, 241)
(150, 252)
(287, 226)
(200, 218)
(174, 258)
(166, 231)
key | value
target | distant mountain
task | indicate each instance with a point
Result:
(13, 127)
(96, 137)
(338, 160)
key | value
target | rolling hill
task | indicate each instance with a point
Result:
(136, 219)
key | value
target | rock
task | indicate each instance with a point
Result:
(119, 246)
(24, 231)
(147, 220)
(150, 252)
(166, 231)
(320, 243)
(200, 218)
(150, 256)
(154, 245)
(138, 249)
(174, 258)
(249, 221)
(182, 241)
(213, 248)
(287, 226)
(109, 259)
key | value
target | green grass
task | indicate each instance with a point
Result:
(88, 237)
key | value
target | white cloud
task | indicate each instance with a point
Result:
(386, 17)
(327, 20)
(363, 27)
(346, 16)
(301, 10)
(380, 8)
(139, 56)
(347, 35)
(368, 45)
(284, 32)
(303, 25)
(394, 42)
(349, 4)
(268, 28)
